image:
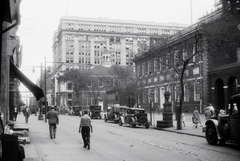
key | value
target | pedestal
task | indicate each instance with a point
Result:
(167, 113)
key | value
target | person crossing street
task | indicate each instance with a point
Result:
(84, 128)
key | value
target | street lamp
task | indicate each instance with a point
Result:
(40, 117)
(45, 86)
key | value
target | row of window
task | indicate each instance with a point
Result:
(111, 96)
(160, 64)
(100, 45)
(84, 39)
(115, 46)
(162, 78)
(80, 66)
(99, 28)
(84, 60)
(142, 30)
(98, 53)
(114, 61)
(84, 53)
(84, 44)
(190, 92)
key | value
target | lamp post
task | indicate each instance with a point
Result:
(40, 116)
(45, 87)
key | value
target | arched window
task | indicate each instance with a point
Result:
(111, 39)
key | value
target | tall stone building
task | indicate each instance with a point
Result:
(87, 42)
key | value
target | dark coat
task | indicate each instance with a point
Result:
(52, 117)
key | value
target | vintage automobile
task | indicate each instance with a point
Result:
(95, 111)
(76, 110)
(227, 126)
(114, 113)
(133, 117)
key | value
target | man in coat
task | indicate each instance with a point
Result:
(27, 113)
(53, 120)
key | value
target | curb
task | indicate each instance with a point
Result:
(176, 131)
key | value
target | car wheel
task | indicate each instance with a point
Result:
(211, 135)
(131, 124)
(143, 120)
(120, 122)
(147, 126)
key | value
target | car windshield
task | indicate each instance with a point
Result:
(138, 111)
(122, 109)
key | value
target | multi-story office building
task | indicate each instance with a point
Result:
(88, 42)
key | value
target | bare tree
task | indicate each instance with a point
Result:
(174, 56)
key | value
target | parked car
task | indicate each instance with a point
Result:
(95, 111)
(76, 110)
(133, 117)
(227, 126)
(115, 113)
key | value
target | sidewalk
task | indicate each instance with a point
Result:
(40, 126)
(188, 130)
(30, 150)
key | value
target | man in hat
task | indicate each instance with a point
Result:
(53, 120)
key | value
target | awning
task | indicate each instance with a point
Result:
(37, 92)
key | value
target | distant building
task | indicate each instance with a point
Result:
(87, 42)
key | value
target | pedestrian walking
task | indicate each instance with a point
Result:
(84, 128)
(15, 112)
(53, 121)
(27, 113)
(196, 118)
(183, 119)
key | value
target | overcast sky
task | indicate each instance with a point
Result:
(40, 18)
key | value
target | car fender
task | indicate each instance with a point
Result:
(134, 119)
(122, 119)
(115, 117)
(215, 123)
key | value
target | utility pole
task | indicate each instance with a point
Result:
(45, 88)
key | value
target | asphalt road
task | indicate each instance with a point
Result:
(111, 142)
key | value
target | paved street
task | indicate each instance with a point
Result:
(111, 142)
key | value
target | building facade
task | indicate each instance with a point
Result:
(86, 42)
(10, 61)
(155, 76)
(214, 77)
